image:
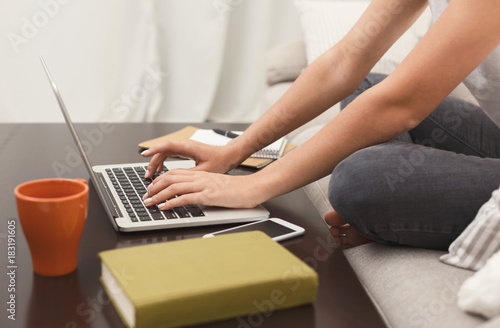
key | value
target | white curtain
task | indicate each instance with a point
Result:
(139, 61)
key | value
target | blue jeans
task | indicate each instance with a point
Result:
(423, 188)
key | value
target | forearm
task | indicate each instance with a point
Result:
(368, 120)
(325, 82)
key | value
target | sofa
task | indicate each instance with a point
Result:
(410, 287)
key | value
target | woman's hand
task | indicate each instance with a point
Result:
(208, 158)
(199, 187)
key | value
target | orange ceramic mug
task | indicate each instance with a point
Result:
(52, 213)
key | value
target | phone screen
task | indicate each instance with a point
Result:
(272, 229)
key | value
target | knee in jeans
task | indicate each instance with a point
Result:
(354, 184)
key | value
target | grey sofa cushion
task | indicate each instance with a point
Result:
(285, 62)
(411, 286)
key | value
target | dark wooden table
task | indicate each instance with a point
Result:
(34, 151)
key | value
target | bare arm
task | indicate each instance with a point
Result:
(443, 58)
(328, 80)
(334, 75)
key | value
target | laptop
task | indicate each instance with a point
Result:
(121, 186)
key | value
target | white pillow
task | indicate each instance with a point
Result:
(480, 293)
(480, 240)
(326, 22)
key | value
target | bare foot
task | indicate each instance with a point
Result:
(344, 234)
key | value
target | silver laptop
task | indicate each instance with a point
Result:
(121, 187)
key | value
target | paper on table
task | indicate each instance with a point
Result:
(274, 150)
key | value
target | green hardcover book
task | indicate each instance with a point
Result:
(199, 280)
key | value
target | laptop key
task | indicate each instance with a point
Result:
(194, 210)
(181, 212)
(144, 218)
(169, 214)
(153, 209)
(157, 216)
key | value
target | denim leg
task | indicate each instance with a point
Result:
(461, 127)
(409, 194)
(425, 193)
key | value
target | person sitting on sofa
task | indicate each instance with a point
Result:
(410, 166)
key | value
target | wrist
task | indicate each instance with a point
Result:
(261, 186)
(236, 153)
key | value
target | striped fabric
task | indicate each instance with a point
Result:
(326, 22)
(480, 240)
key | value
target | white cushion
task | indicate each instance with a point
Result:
(480, 293)
(326, 22)
(480, 240)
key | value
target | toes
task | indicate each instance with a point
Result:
(340, 236)
(332, 218)
(347, 237)
(339, 231)
(335, 231)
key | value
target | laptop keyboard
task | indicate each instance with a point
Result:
(130, 185)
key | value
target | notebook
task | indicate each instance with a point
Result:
(188, 131)
(121, 186)
(208, 136)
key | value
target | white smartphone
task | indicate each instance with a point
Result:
(277, 229)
